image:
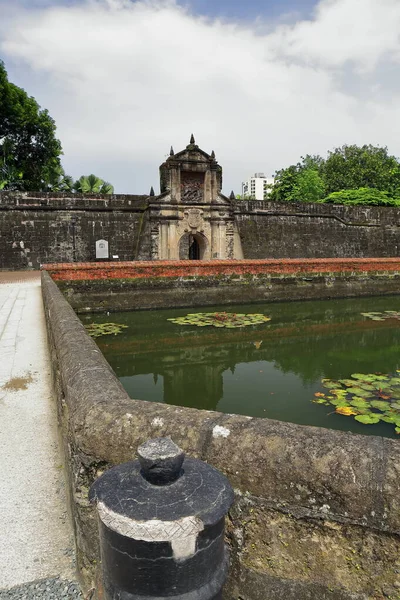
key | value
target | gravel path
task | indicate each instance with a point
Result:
(44, 589)
(35, 532)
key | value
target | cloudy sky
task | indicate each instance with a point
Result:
(261, 82)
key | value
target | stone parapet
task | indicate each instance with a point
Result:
(316, 512)
(140, 269)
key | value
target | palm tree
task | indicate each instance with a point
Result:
(91, 184)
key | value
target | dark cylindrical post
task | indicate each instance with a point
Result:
(162, 523)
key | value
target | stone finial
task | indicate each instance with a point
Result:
(192, 140)
(213, 154)
(152, 191)
(232, 196)
(171, 152)
(161, 460)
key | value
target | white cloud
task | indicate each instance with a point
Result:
(126, 80)
(362, 32)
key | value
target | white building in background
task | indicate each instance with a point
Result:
(257, 187)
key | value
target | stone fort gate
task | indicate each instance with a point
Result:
(191, 218)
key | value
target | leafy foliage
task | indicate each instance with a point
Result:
(91, 184)
(301, 182)
(29, 150)
(309, 186)
(370, 398)
(352, 167)
(222, 319)
(96, 330)
(350, 175)
(362, 196)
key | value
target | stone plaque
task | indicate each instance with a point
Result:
(101, 249)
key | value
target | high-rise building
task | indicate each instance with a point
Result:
(257, 187)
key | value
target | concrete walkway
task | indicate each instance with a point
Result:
(35, 532)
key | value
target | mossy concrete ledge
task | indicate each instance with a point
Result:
(316, 514)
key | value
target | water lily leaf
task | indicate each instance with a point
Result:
(358, 391)
(346, 410)
(347, 382)
(221, 319)
(329, 383)
(380, 405)
(395, 405)
(359, 402)
(339, 402)
(96, 330)
(387, 419)
(367, 419)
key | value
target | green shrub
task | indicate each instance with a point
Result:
(366, 196)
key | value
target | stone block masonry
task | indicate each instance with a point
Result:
(316, 513)
(305, 230)
(38, 228)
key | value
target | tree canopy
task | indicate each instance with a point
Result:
(29, 150)
(364, 171)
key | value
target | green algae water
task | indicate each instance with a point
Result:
(270, 370)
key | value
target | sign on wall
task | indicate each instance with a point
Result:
(101, 249)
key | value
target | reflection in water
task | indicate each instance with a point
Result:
(270, 370)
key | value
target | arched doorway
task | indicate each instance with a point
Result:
(192, 246)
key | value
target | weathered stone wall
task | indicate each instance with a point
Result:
(159, 284)
(316, 512)
(299, 230)
(39, 228)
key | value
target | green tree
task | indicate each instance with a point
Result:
(91, 184)
(309, 187)
(29, 151)
(287, 186)
(285, 182)
(364, 196)
(353, 167)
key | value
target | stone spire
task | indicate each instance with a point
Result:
(152, 191)
(213, 155)
(232, 196)
(171, 152)
(192, 140)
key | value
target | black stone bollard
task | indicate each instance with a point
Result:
(162, 523)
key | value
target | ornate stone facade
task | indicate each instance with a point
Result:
(191, 218)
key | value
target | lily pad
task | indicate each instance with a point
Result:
(358, 391)
(381, 316)
(346, 410)
(369, 397)
(221, 319)
(380, 405)
(330, 384)
(359, 403)
(387, 419)
(367, 419)
(96, 330)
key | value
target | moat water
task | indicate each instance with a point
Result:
(271, 370)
